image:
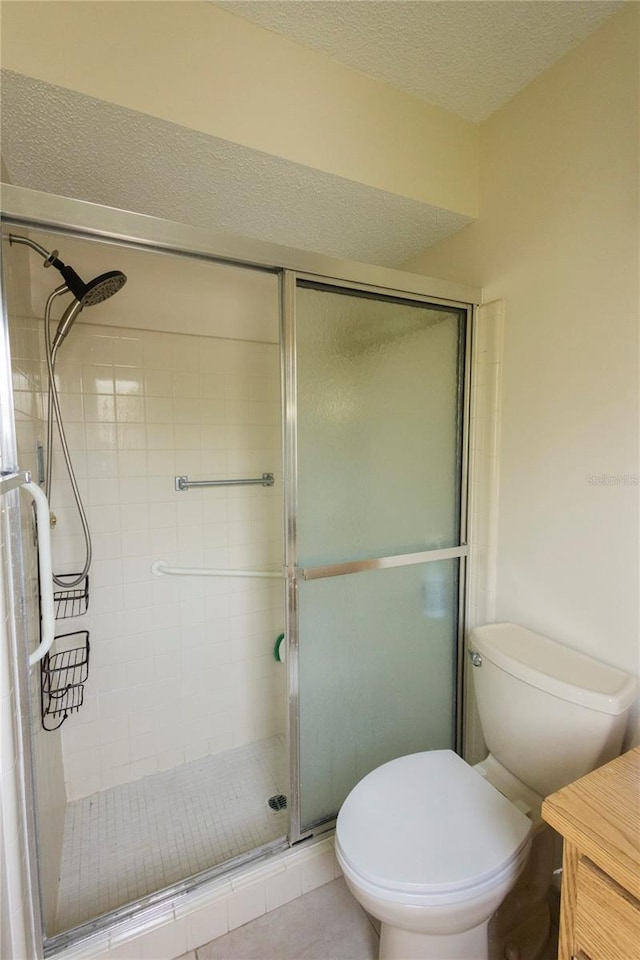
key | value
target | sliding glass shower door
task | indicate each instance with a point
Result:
(377, 384)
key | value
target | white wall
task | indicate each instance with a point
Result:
(164, 292)
(179, 668)
(557, 238)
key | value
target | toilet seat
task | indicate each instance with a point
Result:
(426, 828)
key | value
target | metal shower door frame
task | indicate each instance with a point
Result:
(14, 662)
(31, 209)
(294, 574)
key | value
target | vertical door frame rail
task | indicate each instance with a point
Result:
(26, 209)
(294, 574)
(22, 872)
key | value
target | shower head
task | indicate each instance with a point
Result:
(96, 290)
(102, 287)
(86, 294)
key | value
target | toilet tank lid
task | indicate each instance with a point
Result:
(555, 668)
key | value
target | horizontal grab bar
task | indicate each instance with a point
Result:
(160, 569)
(183, 483)
(379, 563)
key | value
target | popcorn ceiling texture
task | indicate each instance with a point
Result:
(468, 57)
(66, 143)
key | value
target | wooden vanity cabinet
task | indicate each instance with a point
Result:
(599, 818)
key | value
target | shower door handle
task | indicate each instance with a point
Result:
(47, 611)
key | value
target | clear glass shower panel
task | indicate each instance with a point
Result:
(379, 386)
(377, 656)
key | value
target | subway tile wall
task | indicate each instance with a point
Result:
(180, 667)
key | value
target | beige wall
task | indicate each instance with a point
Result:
(196, 65)
(557, 238)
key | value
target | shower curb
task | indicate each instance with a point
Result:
(166, 931)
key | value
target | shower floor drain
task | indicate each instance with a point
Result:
(278, 802)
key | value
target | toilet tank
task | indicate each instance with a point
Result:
(548, 713)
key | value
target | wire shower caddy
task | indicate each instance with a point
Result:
(71, 601)
(63, 676)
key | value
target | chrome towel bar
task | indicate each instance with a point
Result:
(183, 483)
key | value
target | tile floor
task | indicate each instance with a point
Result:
(326, 924)
(126, 842)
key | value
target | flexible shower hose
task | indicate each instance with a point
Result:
(54, 405)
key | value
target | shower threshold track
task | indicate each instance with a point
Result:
(133, 839)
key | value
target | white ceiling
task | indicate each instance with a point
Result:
(467, 56)
(63, 142)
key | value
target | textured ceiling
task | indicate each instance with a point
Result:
(468, 56)
(66, 143)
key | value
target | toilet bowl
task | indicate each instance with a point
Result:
(433, 847)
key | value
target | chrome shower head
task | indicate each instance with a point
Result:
(96, 290)
(102, 287)
(86, 294)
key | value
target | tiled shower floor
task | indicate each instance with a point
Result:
(131, 840)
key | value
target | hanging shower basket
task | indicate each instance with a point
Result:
(71, 601)
(63, 676)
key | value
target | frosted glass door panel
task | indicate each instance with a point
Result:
(379, 386)
(377, 656)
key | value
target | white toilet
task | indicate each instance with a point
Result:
(431, 846)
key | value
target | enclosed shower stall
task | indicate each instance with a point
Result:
(267, 600)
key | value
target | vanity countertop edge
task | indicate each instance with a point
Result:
(600, 815)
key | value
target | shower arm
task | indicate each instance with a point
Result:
(28, 242)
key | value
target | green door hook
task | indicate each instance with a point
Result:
(280, 650)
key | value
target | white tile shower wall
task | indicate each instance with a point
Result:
(180, 667)
(483, 491)
(27, 369)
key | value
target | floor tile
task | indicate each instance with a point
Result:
(124, 843)
(325, 924)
